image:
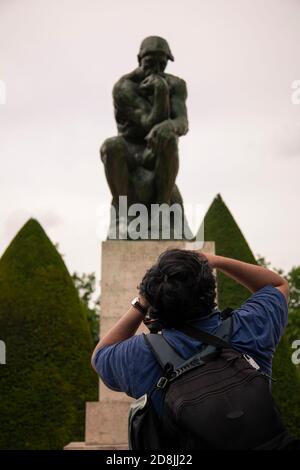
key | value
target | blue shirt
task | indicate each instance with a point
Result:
(130, 366)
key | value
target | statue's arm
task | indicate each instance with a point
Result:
(137, 109)
(178, 108)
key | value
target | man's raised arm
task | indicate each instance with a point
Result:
(251, 276)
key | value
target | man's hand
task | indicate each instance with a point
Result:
(212, 259)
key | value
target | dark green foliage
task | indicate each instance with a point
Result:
(86, 286)
(221, 227)
(286, 389)
(293, 329)
(293, 278)
(47, 378)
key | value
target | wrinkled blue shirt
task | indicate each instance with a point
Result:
(130, 366)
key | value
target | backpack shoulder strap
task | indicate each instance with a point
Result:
(163, 352)
(224, 332)
(219, 340)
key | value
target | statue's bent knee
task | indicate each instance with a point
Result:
(169, 140)
(111, 148)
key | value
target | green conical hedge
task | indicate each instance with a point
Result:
(47, 378)
(220, 226)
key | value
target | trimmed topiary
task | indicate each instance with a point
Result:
(220, 226)
(47, 378)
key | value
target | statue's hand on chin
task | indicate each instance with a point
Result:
(153, 82)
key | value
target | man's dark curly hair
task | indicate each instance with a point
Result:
(179, 287)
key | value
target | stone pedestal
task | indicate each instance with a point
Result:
(123, 266)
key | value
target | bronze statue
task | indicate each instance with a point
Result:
(150, 110)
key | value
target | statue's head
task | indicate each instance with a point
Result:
(154, 55)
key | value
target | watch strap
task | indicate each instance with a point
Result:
(137, 304)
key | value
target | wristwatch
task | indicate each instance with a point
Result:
(137, 304)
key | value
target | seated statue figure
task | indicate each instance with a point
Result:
(150, 110)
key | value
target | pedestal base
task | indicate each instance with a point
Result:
(106, 422)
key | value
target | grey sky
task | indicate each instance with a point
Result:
(60, 59)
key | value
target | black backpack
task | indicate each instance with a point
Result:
(217, 399)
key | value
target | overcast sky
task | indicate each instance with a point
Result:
(60, 59)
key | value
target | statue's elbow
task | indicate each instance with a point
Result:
(184, 127)
(181, 126)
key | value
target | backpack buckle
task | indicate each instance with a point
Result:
(162, 382)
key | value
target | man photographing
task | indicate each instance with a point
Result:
(179, 290)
